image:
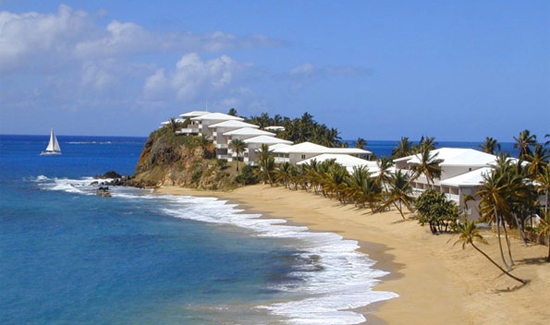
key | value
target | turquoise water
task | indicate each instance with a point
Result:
(68, 256)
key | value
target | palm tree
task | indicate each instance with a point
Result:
(283, 173)
(174, 125)
(468, 234)
(232, 112)
(238, 146)
(372, 193)
(266, 163)
(490, 146)
(360, 143)
(400, 193)
(524, 142)
(403, 149)
(384, 165)
(537, 160)
(429, 165)
(543, 184)
(426, 142)
(544, 231)
(494, 203)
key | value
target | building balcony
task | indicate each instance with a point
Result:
(188, 131)
(221, 146)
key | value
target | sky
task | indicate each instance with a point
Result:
(454, 70)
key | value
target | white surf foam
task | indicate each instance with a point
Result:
(335, 276)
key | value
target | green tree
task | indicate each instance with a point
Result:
(207, 146)
(232, 112)
(524, 142)
(469, 234)
(404, 148)
(490, 146)
(400, 193)
(238, 146)
(434, 209)
(537, 160)
(360, 143)
(428, 165)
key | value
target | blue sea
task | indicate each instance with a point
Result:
(68, 256)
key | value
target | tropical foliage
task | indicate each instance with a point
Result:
(439, 213)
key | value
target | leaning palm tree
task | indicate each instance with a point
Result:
(403, 149)
(494, 203)
(428, 165)
(524, 142)
(469, 234)
(400, 193)
(238, 146)
(283, 173)
(490, 146)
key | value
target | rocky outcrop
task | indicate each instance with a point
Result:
(170, 159)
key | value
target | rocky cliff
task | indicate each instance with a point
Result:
(170, 159)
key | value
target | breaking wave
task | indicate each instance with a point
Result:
(335, 277)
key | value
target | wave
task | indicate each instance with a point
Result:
(335, 276)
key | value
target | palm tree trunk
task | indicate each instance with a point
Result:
(398, 208)
(520, 230)
(500, 240)
(507, 241)
(499, 267)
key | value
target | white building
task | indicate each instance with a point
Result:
(254, 145)
(462, 172)
(221, 140)
(305, 150)
(204, 121)
(346, 161)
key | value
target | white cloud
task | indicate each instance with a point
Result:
(39, 42)
(194, 79)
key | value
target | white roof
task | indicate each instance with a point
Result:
(194, 114)
(217, 117)
(267, 140)
(469, 179)
(455, 157)
(233, 124)
(248, 131)
(302, 147)
(308, 147)
(278, 145)
(349, 151)
(179, 120)
(275, 128)
(346, 161)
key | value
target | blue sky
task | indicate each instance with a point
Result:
(456, 70)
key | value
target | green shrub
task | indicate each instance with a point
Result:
(434, 209)
(247, 176)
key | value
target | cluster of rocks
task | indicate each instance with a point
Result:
(115, 179)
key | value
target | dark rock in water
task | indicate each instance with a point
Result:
(94, 183)
(111, 174)
(103, 191)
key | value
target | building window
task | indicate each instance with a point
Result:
(303, 156)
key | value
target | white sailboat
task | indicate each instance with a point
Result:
(53, 147)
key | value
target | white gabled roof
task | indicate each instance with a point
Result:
(217, 117)
(194, 114)
(469, 179)
(233, 124)
(349, 151)
(455, 157)
(267, 140)
(278, 145)
(346, 161)
(248, 131)
(308, 147)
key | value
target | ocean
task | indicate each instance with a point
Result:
(68, 256)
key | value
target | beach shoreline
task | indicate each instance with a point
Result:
(437, 283)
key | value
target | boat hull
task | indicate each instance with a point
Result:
(50, 153)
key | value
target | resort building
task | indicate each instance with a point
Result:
(204, 121)
(305, 150)
(255, 144)
(221, 140)
(348, 161)
(462, 173)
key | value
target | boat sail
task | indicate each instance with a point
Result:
(53, 147)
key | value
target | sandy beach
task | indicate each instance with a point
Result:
(437, 283)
